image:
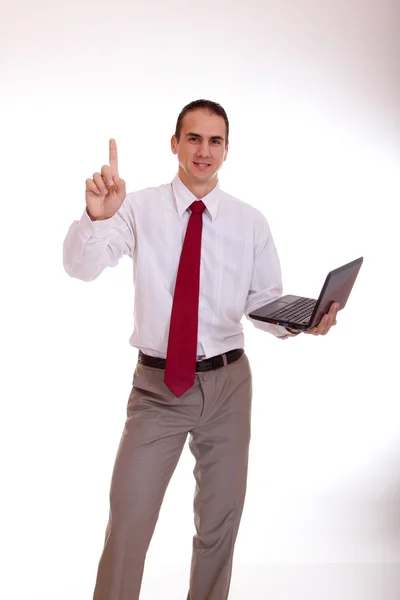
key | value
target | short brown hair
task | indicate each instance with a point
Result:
(213, 107)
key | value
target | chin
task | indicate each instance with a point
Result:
(203, 178)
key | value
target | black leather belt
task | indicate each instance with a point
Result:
(215, 362)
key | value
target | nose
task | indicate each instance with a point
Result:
(204, 150)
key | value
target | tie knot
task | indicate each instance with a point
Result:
(198, 207)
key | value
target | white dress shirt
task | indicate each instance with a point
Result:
(239, 270)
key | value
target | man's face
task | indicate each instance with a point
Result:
(202, 147)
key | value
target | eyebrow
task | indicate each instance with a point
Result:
(213, 137)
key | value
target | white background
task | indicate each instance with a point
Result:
(312, 93)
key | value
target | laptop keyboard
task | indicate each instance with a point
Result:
(300, 310)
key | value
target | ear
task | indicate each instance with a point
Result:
(226, 152)
(174, 144)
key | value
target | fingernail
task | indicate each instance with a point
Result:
(110, 182)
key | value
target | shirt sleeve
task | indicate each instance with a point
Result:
(266, 282)
(91, 246)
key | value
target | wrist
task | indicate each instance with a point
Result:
(293, 331)
(92, 218)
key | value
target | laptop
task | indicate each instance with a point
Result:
(302, 313)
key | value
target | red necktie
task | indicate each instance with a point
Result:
(180, 367)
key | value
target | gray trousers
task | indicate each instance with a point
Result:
(216, 412)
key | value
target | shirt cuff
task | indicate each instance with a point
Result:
(284, 333)
(96, 229)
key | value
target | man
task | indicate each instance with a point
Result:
(202, 259)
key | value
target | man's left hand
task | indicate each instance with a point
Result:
(326, 322)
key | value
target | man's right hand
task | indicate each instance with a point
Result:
(106, 192)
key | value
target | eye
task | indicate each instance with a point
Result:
(193, 138)
(216, 141)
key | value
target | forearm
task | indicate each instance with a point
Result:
(89, 247)
(276, 330)
(266, 284)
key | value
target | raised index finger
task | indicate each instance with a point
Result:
(113, 157)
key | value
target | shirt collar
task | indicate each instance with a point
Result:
(184, 198)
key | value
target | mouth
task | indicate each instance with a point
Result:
(202, 166)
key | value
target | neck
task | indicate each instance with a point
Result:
(198, 189)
